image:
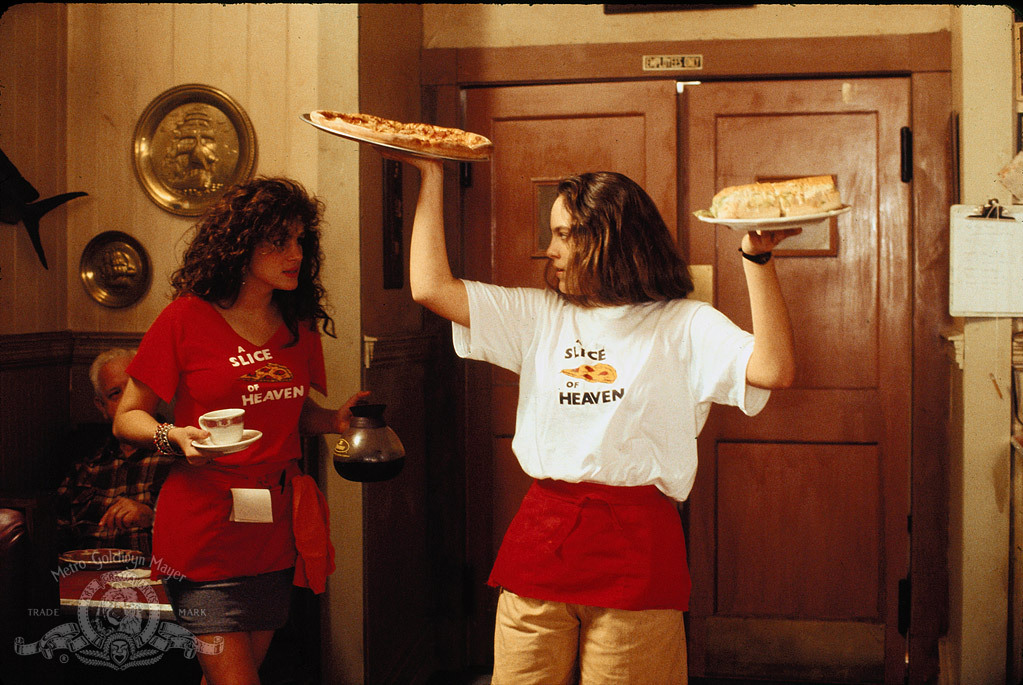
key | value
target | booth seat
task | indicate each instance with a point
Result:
(29, 599)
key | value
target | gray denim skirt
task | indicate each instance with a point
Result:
(245, 604)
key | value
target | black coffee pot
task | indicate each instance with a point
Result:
(369, 450)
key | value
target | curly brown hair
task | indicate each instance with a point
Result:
(223, 240)
(624, 253)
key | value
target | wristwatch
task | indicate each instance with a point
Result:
(762, 258)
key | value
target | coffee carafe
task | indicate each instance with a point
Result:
(369, 450)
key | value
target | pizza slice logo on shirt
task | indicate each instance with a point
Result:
(594, 373)
(270, 373)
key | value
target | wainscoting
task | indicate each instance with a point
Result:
(45, 392)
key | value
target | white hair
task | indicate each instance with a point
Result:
(102, 360)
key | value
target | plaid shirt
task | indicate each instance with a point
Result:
(95, 483)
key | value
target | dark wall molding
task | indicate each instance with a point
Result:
(28, 350)
(746, 58)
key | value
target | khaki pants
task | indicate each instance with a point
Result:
(537, 642)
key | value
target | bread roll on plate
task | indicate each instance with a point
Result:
(796, 197)
(752, 201)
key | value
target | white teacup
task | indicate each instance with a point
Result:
(226, 426)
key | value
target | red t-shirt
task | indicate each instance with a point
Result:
(192, 356)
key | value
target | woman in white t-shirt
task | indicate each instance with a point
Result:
(617, 371)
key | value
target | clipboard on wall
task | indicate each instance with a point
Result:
(985, 261)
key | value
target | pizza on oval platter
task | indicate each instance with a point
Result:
(425, 139)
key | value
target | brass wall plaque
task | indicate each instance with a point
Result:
(115, 269)
(191, 143)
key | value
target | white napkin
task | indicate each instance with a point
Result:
(251, 505)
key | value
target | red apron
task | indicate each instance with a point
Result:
(596, 545)
(193, 536)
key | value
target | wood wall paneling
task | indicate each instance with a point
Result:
(32, 79)
(157, 230)
(302, 93)
(265, 88)
(33, 409)
(388, 58)
(45, 391)
(932, 195)
(397, 527)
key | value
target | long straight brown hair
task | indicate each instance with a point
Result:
(624, 253)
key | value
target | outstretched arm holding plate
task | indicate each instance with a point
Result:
(773, 363)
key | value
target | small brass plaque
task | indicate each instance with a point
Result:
(672, 62)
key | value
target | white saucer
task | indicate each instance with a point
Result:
(207, 446)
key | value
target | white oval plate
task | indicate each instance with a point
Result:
(777, 224)
(207, 446)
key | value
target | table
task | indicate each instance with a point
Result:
(112, 589)
(109, 628)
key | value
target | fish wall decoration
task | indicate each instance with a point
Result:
(18, 203)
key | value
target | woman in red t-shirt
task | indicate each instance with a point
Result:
(242, 331)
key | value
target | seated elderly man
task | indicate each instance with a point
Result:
(109, 496)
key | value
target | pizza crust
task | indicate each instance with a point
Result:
(416, 137)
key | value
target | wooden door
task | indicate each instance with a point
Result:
(798, 520)
(540, 134)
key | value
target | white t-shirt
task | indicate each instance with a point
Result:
(657, 369)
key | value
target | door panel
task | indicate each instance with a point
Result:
(835, 656)
(552, 139)
(541, 134)
(762, 489)
(797, 521)
(850, 142)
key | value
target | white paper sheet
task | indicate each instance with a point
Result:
(985, 263)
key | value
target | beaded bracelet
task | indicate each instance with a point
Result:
(164, 445)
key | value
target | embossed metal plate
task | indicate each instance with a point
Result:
(115, 269)
(191, 143)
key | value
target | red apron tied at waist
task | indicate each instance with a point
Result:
(193, 536)
(596, 545)
(267, 475)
